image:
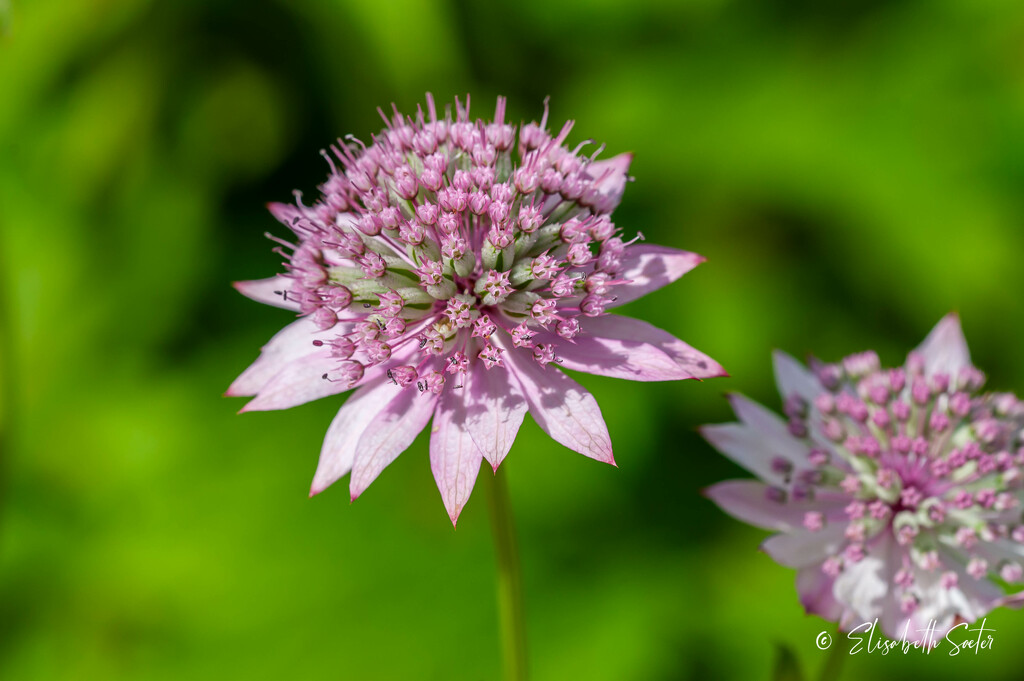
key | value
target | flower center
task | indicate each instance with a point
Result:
(446, 231)
(924, 459)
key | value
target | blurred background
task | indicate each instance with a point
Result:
(852, 171)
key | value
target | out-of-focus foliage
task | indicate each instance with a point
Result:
(853, 171)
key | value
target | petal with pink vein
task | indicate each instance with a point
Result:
(495, 408)
(647, 268)
(562, 407)
(390, 432)
(629, 330)
(944, 350)
(293, 342)
(454, 457)
(351, 421)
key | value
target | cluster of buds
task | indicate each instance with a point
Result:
(897, 492)
(445, 231)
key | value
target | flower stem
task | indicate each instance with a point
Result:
(833, 666)
(511, 617)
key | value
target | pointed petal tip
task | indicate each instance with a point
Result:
(951, 318)
(234, 391)
(248, 407)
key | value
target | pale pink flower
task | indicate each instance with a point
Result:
(895, 492)
(449, 270)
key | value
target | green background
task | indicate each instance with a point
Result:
(852, 171)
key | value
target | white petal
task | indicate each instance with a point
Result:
(863, 587)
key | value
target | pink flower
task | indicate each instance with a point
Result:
(446, 273)
(899, 497)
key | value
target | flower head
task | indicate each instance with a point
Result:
(895, 492)
(446, 271)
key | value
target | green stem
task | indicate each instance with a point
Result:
(833, 666)
(510, 583)
(8, 365)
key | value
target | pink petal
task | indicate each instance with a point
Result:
(298, 382)
(561, 406)
(286, 213)
(772, 429)
(289, 344)
(815, 590)
(1015, 600)
(773, 433)
(495, 408)
(390, 432)
(945, 349)
(454, 457)
(268, 291)
(748, 501)
(793, 378)
(634, 331)
(348, 426)
(631, 360)
(744, 445)
(649, 267)
(611, 175)
(761, 437)
(302, 380)
(803, 548)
